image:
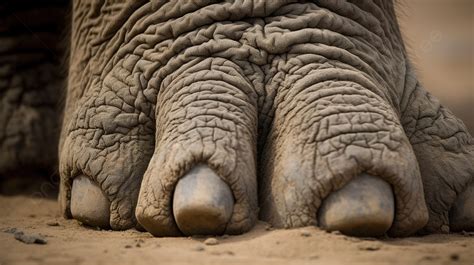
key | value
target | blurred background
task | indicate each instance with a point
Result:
(439, 35)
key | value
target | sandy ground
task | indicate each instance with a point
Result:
(71, 243)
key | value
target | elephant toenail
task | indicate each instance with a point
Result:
(363, 207)
(203, 203)
(89, 204)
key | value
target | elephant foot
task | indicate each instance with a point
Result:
(89, 204)
(461, 215)
(202, 203)
(363, 207)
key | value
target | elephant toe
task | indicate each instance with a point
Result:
(461, 215)
(363, 207)
(89, 204)
(202, 203)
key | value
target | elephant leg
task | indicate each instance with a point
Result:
(445, 151)
(202, 176)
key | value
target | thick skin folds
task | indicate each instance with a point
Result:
(195, 117)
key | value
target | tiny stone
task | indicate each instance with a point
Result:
(32, 215)
(211, 241)
(305, 234)
(371, 247)
(52, 223)
(225, 236)
(336, 233)
(198, 248)
(268, 228)
(30, 239)
(454, 256)
(466, 233)
(138, 245)
(128, 246)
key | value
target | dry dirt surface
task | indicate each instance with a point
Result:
(68, 242)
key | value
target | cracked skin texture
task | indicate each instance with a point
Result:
(295, 98)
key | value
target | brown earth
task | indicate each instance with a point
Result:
(440, 38)
(71, 243)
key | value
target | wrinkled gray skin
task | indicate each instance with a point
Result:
(31, 80)
(295, 98)
(290, 106)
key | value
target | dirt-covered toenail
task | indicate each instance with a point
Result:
(461, 215)
(89, 204)
(363, 207)
(202, 202)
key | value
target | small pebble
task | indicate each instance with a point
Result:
(52, 223)
(198, 248)
(225, 236)
(268, 228)
(211, 241)
(128, 246)
(30, 239)
(305, 234)
(370, 247)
